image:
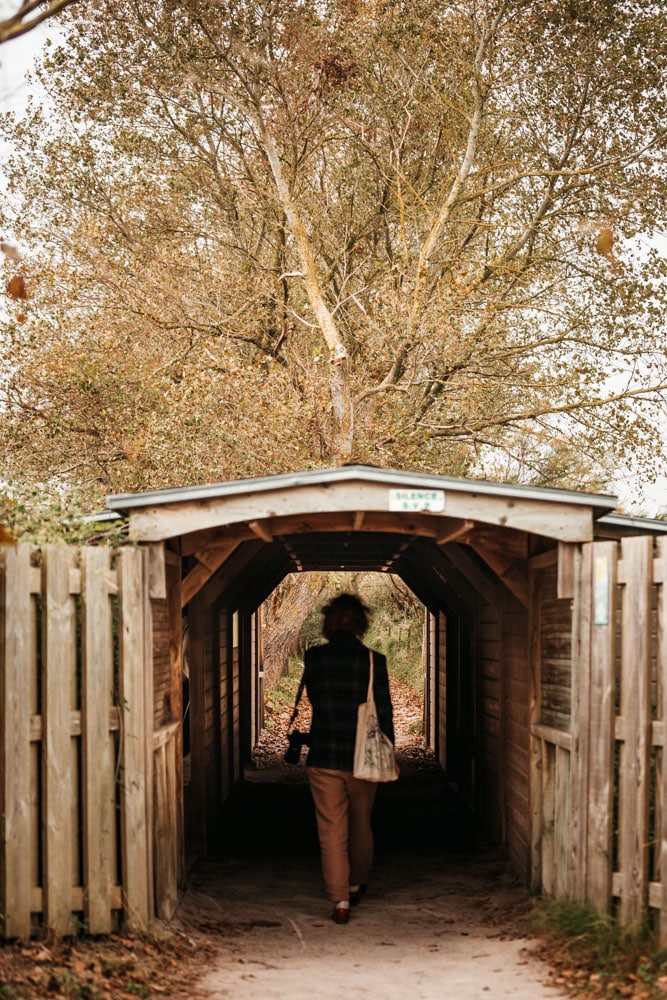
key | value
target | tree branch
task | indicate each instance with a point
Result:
(29, 15)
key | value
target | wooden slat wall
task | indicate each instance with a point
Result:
(161, 664)
(72, 656)
(430, 679)
(515, 715)
(555, 653)
(199, 645)
(212, 723)
(490, 790)
(599, 786)
(225, 658)
(441, 644)
(236, 707)
(549, 698)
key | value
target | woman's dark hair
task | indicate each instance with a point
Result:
(345, 613)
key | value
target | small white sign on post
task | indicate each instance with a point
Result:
(601, 590)
(415, 500)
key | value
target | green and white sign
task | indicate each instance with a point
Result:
(414, 500)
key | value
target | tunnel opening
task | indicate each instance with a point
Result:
(424, 811)
(434, 808)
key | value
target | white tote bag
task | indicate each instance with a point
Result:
(373, 750)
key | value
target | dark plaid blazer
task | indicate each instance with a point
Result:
(336, 679)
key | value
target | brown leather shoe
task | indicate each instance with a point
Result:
(357, 895)
(340, 914)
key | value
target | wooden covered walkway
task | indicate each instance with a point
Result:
(544, 674)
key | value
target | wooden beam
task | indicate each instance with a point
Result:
(567, 569)
(544, 560)
(507, 542)
(358, 520)
(557, 519)
(474, 574)
(513, 573)
(455, 531)
(212, 538)
(209, 562)
(262, 529)
(157, 576)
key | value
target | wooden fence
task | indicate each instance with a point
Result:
(90, 794)
(599, 784)
(76, 749)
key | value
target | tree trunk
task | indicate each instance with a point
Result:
(285, 612)
(339, 382)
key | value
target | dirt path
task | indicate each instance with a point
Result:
(441, 918)
(447, 934)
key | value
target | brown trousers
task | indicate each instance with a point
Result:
(343, 806)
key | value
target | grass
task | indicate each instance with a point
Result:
(593, 955)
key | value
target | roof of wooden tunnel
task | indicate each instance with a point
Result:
(440, 534)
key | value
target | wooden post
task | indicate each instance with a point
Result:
(602, 714)
(635, 710)
(131, 691)
(16, 667)
(97, 747)
(58, 779)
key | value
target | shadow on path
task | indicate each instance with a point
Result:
(271, 813)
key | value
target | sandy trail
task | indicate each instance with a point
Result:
(441, 918)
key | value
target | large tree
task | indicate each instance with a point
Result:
(278, 234)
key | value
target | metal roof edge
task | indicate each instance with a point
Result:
(650, 524)
(365, 473)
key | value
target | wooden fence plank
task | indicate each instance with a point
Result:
(602, 711)
(16, 668)
(166, 882)
(548, 810)
(563, 831)
(635, 709)
(59, 669)
(97, 748)
(136, 716)
(148, 746)
(662, 788)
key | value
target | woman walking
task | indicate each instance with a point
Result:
(336, 677)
